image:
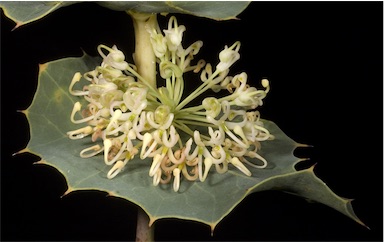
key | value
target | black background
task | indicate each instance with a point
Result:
(324, 62)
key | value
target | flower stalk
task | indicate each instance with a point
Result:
(144, 56)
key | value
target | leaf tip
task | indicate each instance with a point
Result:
(25, 150)
(213, 226)
(312, 168)
(299, 145)
(25, 112)
(83, 52)
(40, 162)
(361, 223)
(350, 212)
(69, 190)
(151, 220)
(18, 24)
(42, 67)
(112, 194)
(303, 164)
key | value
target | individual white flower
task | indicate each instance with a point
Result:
(107, 98)
(212, 106)
(160, 119)
(103, 87)
(251, 97)
(216, 155)
(239, 82)
(187, 55)
(80, 133)
(135, 99)
(176, 182)
(149, 145)
(225, 110)
(115, 57)
(159, 44)
(76, 78)
(228, 56)
(170, 138)
(174, 34)
(207, 165)
(177, 157)
(116, 169)
(188, 148)
(109, 72)
(239, 165)
(167, 69)
(216, 137)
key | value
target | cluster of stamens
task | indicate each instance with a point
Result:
(132, 118)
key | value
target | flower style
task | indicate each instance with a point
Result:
(128, 117)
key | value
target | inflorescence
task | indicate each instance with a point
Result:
(133, 118)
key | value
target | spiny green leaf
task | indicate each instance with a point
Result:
(208, 202)
(218, 10)
(25, 12)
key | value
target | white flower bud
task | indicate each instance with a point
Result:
(212, 106)
(159, 44)
(228, 56)
(174, 35)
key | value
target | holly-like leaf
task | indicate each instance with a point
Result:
(25, 12)
(218, 10)
(208, 202)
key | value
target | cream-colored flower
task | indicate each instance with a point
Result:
(174, 34)
(131, 117)
(228, 56)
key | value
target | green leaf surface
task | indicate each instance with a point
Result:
(208, 202)
(219, 10)
(24, 12)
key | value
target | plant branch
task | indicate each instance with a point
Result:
(144, 232)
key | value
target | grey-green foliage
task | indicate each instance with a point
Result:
(25, 12)
(208, 202)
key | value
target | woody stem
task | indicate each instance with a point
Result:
(145, 61)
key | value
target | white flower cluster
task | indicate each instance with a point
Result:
(133, 118)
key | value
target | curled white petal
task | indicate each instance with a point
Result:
(95, 149)
(117, 167)
(156, 177)
(107, 147)
(239, 165)
(173, 137)
(176, 181)
(207, 166)
(80, 133)
(176, 160)
(217, 154)
(146, 140)
(155, 164)
(116, 115)
(197, 138)
(76, 78)
(253, 154)
(187, 149)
